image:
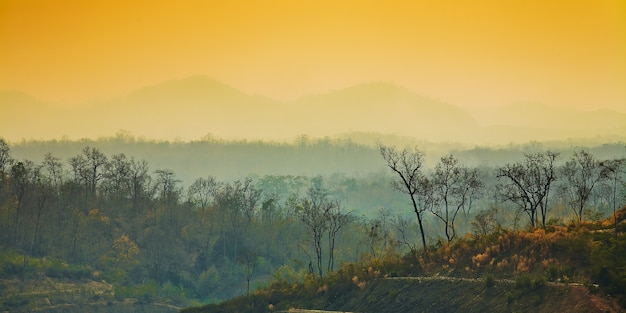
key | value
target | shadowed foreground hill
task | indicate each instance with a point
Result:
(431, 295)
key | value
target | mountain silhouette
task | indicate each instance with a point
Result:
(544, 122)
(192, 107)
(385, 108)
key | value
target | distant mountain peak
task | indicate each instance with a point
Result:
(16, 94)
(18, 100)
(191, 84)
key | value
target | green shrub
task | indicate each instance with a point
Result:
(509, 297)
(489, 280)
(371, 299)
(172, 293)
(144, 292)
(393, 293)
(207, 281)
(538, 282)
(526, 283)
(523, 282)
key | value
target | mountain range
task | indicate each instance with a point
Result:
(192, 107)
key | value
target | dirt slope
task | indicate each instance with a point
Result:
(466, 296)
(429, 295)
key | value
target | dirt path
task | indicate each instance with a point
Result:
(457, 279)
(448, 278)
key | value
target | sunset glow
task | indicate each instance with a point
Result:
(472, 54)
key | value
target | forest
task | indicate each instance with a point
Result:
(117, 210)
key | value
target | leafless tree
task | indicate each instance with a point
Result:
(88, 169)
(54, 170)
(454, 187)
(378, 232)
(96, 161)
(139, 181)
(613, 169)
(21, 183)
(116, 181)
(582, 173)
(404, 232)
(337, 219)
(166, 187)
(322, 216)
(528, 183)
(250, 196)
(248, 261)
(408, 165)
(202, 191)
(485, 221)
(5, 156)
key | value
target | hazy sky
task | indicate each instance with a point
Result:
(469, 53)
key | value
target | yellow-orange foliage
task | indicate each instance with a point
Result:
(480, 259)
(358, 283)
(322, 289)
(502, 264)
(516, 251)
(522, 263)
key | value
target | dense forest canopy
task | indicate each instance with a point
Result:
(212, 219)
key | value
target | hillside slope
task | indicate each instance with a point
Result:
(56, 295)
(429, 295)
(576, 267)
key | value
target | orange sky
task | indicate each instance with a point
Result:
(469, 53)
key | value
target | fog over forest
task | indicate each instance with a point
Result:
(192, 192)
(352, 154)
(196, 221)
(210, 219)
(345, 155)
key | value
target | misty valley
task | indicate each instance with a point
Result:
(361, 222)
(312, 156)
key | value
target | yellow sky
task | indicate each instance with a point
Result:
(469, 53)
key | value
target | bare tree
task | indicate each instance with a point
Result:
(44, 194)
(613, 169)
(202, 191)
(5, 156)
(54, 170)
(96, 161)
(405, 232)
(485, 222)
(87, 169)
(582, 172)
(337, 220)
(139, 182)
(24, 176)
(312, 214)
(249, 198)
(408, 165)
(528, 184)
(248, 261)
(322, 216)
(377, 231)
(166, 186)
(454, 187)
(236, 205)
